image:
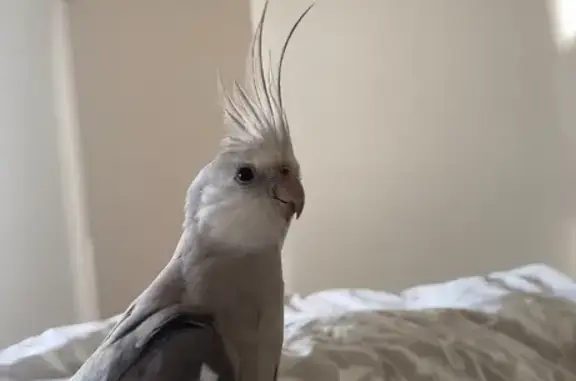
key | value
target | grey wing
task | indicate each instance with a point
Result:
(169, 345)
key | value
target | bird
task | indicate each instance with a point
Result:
(215, 311)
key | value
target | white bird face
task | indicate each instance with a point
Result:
(250, 197)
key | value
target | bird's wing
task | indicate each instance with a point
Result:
(167, 344)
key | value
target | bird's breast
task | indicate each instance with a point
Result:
(249, 315)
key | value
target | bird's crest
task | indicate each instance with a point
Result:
(258, 118)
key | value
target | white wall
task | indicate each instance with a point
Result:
(36, 289)
(429, 138)
(149, 120)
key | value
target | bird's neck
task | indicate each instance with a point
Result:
(217, 275)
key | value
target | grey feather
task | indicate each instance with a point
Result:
(170, 345)
(160, 337)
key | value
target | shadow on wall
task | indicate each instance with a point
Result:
(149, 119)
(567, 92)
(563, 16)
(566, 101)
(445, 154)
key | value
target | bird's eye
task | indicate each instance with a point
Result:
(284, 170)
(245, 174)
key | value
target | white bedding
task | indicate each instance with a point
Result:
(495, 330)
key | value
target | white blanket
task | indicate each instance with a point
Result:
(495, 330)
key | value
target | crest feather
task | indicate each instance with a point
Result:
(258, 118)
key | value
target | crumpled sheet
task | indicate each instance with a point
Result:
(515, 325)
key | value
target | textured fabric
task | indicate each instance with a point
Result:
(532, 338)
(516, 325)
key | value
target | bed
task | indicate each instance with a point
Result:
(511, 325)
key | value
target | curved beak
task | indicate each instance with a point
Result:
(289, 190)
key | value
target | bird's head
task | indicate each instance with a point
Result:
(246, 197)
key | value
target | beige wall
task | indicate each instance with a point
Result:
(429, 139)
(36, 285)
(428, 134)
(149, 119)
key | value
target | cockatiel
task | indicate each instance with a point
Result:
(215, 312)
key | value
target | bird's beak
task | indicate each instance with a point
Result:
(289, 190)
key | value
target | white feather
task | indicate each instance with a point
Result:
(240, 220)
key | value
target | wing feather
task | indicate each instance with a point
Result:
(168, 344)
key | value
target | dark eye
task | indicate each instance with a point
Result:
(245, 174)
(284, 170)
